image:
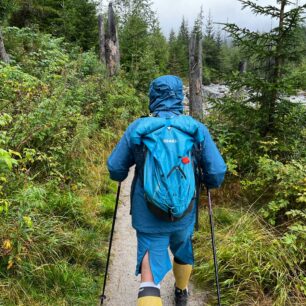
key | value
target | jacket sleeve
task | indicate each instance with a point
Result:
(121, 159)
(211, 161)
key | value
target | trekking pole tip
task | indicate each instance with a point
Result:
(102, 298)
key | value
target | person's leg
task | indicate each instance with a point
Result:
(153, 263)
(146, 274)
(149, 292)
(182, 272)
(181, 247)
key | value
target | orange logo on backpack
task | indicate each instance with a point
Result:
(185, 160)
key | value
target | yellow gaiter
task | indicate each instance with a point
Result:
(182, 275)
(149, 296)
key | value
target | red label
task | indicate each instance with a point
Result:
(185, 160)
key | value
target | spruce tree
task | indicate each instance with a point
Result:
(269, 55)
(198, 24)
(6, 8)
(209, 28)
(76, 20)
(144, 51)
(181, 49)
(160, 47)
(211, 52)
(173, 65)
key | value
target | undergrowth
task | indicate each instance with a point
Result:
(60, 116)
(255, 266)
(54, 240)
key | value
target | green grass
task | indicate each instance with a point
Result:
(255, 267)
(58, 247)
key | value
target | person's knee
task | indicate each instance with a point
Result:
(180, 262)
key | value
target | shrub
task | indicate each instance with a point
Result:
(61, 117)
(283, 190)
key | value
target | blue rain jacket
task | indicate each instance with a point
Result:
(166, 97)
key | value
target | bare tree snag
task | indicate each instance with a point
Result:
(242, 66)
(112, 44)
(101, 39)
(195, 77)
(3, 55)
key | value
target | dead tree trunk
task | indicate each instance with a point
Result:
(3, 55)
(195, 77)
(242, 66)
(101, 39)
(112, 44)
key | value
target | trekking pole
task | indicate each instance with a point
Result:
(103, 297)
(214, 246)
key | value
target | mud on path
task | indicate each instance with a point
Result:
(122, 284)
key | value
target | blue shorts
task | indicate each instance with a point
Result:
(156, 245)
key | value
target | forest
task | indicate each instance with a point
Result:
(61, 113)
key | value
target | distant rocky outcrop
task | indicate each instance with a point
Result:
(215, 91)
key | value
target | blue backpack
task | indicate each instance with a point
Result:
(169, 170)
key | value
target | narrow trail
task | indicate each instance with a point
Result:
(122, 284)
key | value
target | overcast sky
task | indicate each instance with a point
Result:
(171, 12)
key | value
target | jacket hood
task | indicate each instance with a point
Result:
(166, 94)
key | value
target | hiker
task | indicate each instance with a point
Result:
(148, 142)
